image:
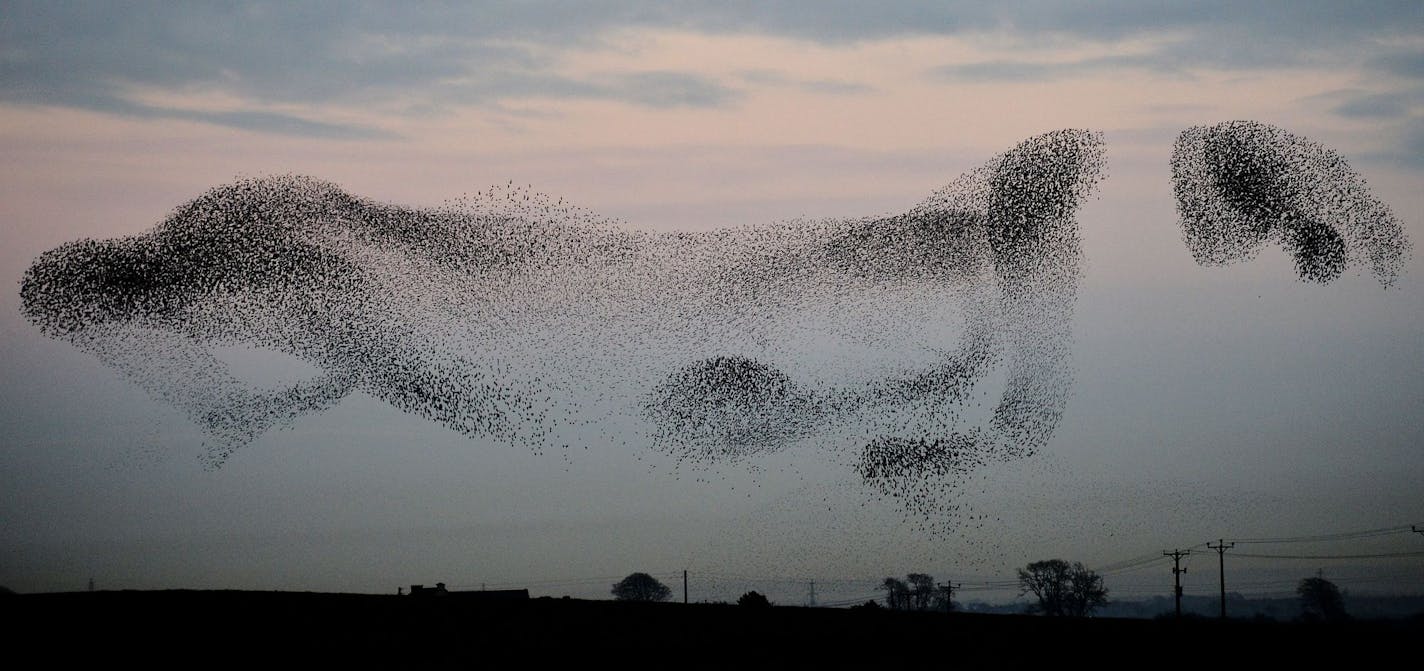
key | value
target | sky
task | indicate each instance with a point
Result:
(1208, 402)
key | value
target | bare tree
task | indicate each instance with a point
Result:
(1321, 599)
(1063, 588)
(922, 590)
(916, 592)
(1085, 591)
(897, 594)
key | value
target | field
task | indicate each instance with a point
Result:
(222, 627)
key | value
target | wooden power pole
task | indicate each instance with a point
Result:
(1221, 547)
(1177, 572)
(949, 588)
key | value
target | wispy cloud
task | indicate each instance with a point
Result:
(776, 78)
(1401, 63)
(1395, 118)
(1413, 145)
(1393, 105)
(310, 55)
(274, 57)
(1403, 143)
(1018, 71)
(670, 89)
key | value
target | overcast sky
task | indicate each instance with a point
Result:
(1209, 402)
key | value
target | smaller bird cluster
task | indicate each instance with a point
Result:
(730, 406)
(1241, 184)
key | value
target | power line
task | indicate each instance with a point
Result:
(856, 601)
(1341, 536)
(1130, 564)
(1365, 556)
(1139, 562)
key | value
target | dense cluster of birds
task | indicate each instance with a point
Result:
(1241, 184)
(511, 316)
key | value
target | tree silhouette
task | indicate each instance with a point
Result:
(916, 592)
(922, 590)
(1063, 588)
(754, 599)
(1321, 599)
(897, 594)
(640, 587)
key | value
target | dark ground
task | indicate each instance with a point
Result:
(206, 628)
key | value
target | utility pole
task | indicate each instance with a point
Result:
(684, 586)
(1221, 547)
(1177, 572)
(949, 588)
(813, 594)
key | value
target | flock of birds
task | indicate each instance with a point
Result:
(1242, 183)
(511, 316)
